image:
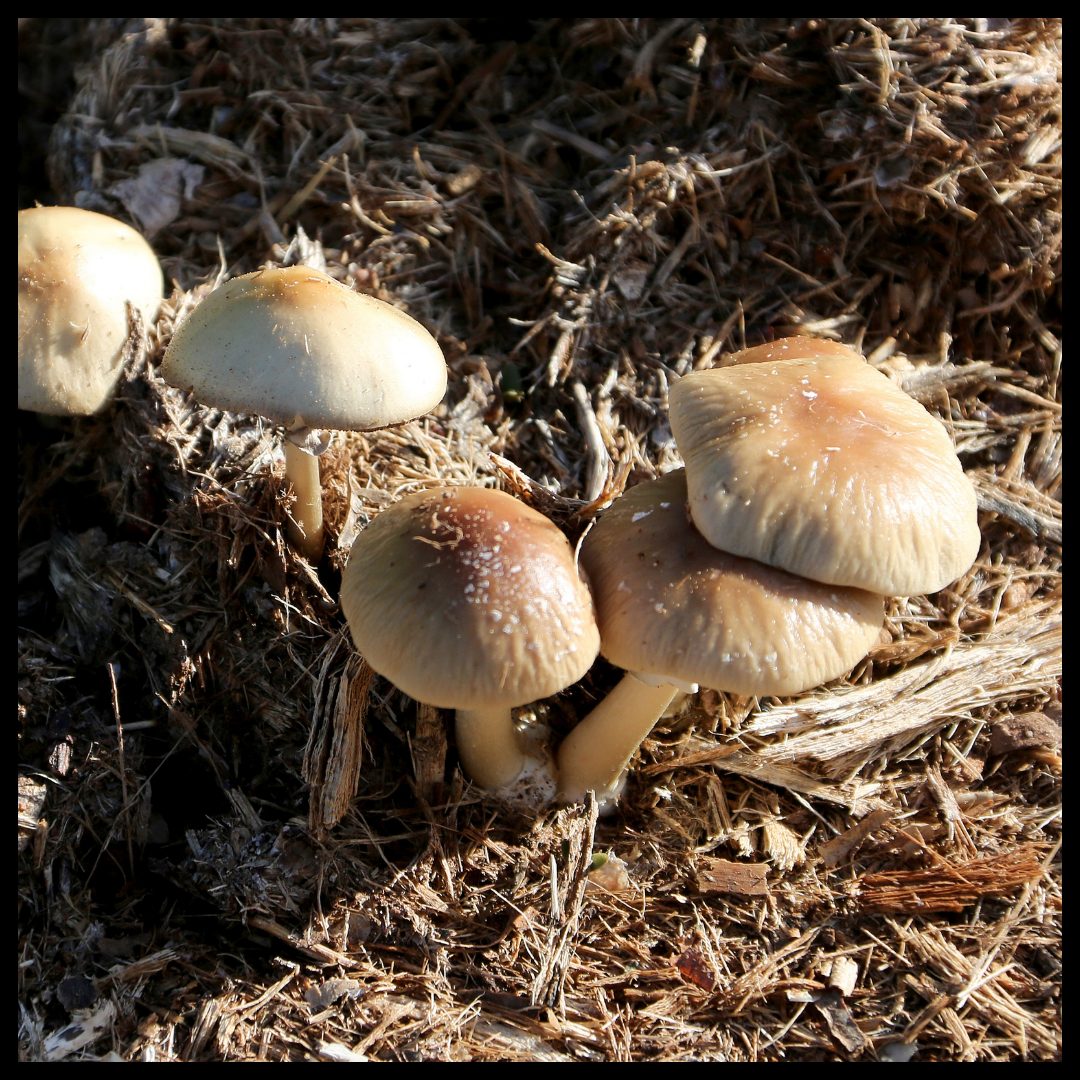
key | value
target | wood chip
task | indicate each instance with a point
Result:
(950, 886)
(32, 794)
(839, 1021)
(694, 968)
(835, 851)
(1024, 731)
(335, 746)
(844, 975)
(742, 879)
(783, 847)
(566, 902)
(943, 796)
(330, 990)
(337, 1052)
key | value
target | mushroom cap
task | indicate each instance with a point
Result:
(465, 598)
(798, 347)
(77, 272)
(298, 347)
(670, 604)
(826, 469)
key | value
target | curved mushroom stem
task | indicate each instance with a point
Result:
(488, 746)
(302, 471)
(595, 754)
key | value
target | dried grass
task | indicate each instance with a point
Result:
(237, 844)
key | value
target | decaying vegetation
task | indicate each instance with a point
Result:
(236, 843)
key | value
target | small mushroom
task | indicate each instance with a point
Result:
(467, 599)
(307, 352)
(78, 272)
(671, 605)
(821, 466)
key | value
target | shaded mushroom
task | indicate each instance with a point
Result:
(467, 599)
(672, 606)
(307, 352)
(78, 272)
(823, 467)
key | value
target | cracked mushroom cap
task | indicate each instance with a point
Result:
(77, 272)
(465, 598)
(825, 468)
(670, 604)
(298, 347)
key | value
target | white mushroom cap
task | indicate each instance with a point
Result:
(77, 272)
(465, 598)
(825, 468)
(669, 603)
(298, 347)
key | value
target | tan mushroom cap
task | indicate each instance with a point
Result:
(298, 347)
(78, 270)
(465, 598)
(790, 348)
(670, 604)
(826, 469)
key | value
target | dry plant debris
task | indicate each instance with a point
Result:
(950, 887)
(236, 844)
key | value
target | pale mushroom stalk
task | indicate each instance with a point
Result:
(594, 756)
(488, 745)
(305, 532)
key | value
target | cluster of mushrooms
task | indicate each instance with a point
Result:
(813, 488)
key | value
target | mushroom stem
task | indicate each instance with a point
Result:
(595, 754)
(488, 746)
(306, 530)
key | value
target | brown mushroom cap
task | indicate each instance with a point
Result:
(465, 598)
(298, 347)
(77, 272)
(828, 470)
(670, 604)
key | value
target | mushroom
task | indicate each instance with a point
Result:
(467, 599)
(672, 606)
(307, 352)
(821, 466)
(78, 272)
